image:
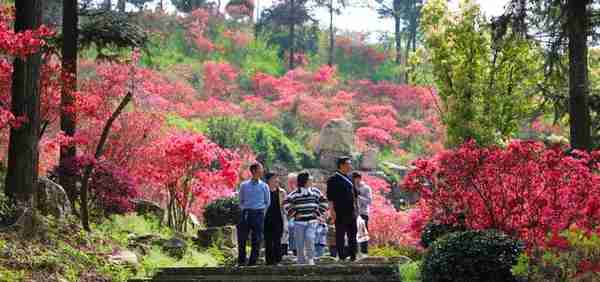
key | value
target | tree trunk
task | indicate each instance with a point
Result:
(256, 23)
(397, 37)
(579, 115)
(99, 150)
(107, 4)
(292, 34)
(331, 35)
(121, 6)
(23, 154)
(69, 78)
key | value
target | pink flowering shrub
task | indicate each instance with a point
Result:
(386, 225)
(525, 190)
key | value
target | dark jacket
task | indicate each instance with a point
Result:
(342, 193)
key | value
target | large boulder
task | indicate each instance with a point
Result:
(175, 247)
(124, 257)
(336, 139)
(222, 236)
(369, 159)
(145, 207)
(51, 199)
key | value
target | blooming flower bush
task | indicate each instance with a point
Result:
(525, 190)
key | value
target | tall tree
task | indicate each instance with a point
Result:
(579, 115)
(286, 23)
(334, 7)
(69, 86)
(187, 6)
(107, 4)
(406, 15)
(23, 154)
(564, 27)
(121, 6)
(292, 39)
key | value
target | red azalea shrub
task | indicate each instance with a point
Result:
(111, 187)
(188, 171)
(525, 190)
(386, 225)
(21, 44)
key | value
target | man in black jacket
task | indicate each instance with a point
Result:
(341, 194)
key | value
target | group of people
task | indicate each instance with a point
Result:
(304, 219)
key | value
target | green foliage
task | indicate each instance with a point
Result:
(221, 257)
(8, 275)
(420, 70)
(271, 144)
(164, 53)
(434, 231)
(389, 71)
(411, 272)
(396, 251)
(261, 58)
(228, 132)
(7, 207)
(486, 83)
(119, 226)
(187, 6)
(156, 259)
(562, 263)
(222, 212)
(476, 256)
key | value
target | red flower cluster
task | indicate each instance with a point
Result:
(525, 189)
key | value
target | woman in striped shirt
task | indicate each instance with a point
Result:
(306, 205)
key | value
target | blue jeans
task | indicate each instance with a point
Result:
(291, 242)
(304, 234)
(251, 221)
(319, 250)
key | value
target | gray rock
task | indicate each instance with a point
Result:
(369, 159)
(399, 260)
(399, 169)
(222, 236)
(194, 220)
(372, 260)
(124, 257)
(145, 207)
(175, 247)
(51, 199)
(336, 139)
(326, 260)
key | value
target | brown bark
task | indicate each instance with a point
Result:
(107, 4)
(99, 149)
(69, 86)
(331, 35)
(121, 6)
(23, 154)
(292, 34)
(579, 119)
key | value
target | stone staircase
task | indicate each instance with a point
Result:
(387, 272)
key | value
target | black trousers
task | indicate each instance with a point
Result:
(273, 251)
(252, 222)
(364, 246)
(342, 229)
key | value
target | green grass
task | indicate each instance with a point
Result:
(156, 259)
(66, 252)
(411, 272)
(391, 251)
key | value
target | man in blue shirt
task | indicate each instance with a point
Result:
(255, 198)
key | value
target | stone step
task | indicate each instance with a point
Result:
(331, 269)
(278, 278)
(324, 273)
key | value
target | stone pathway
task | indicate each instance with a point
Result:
(350, 272)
